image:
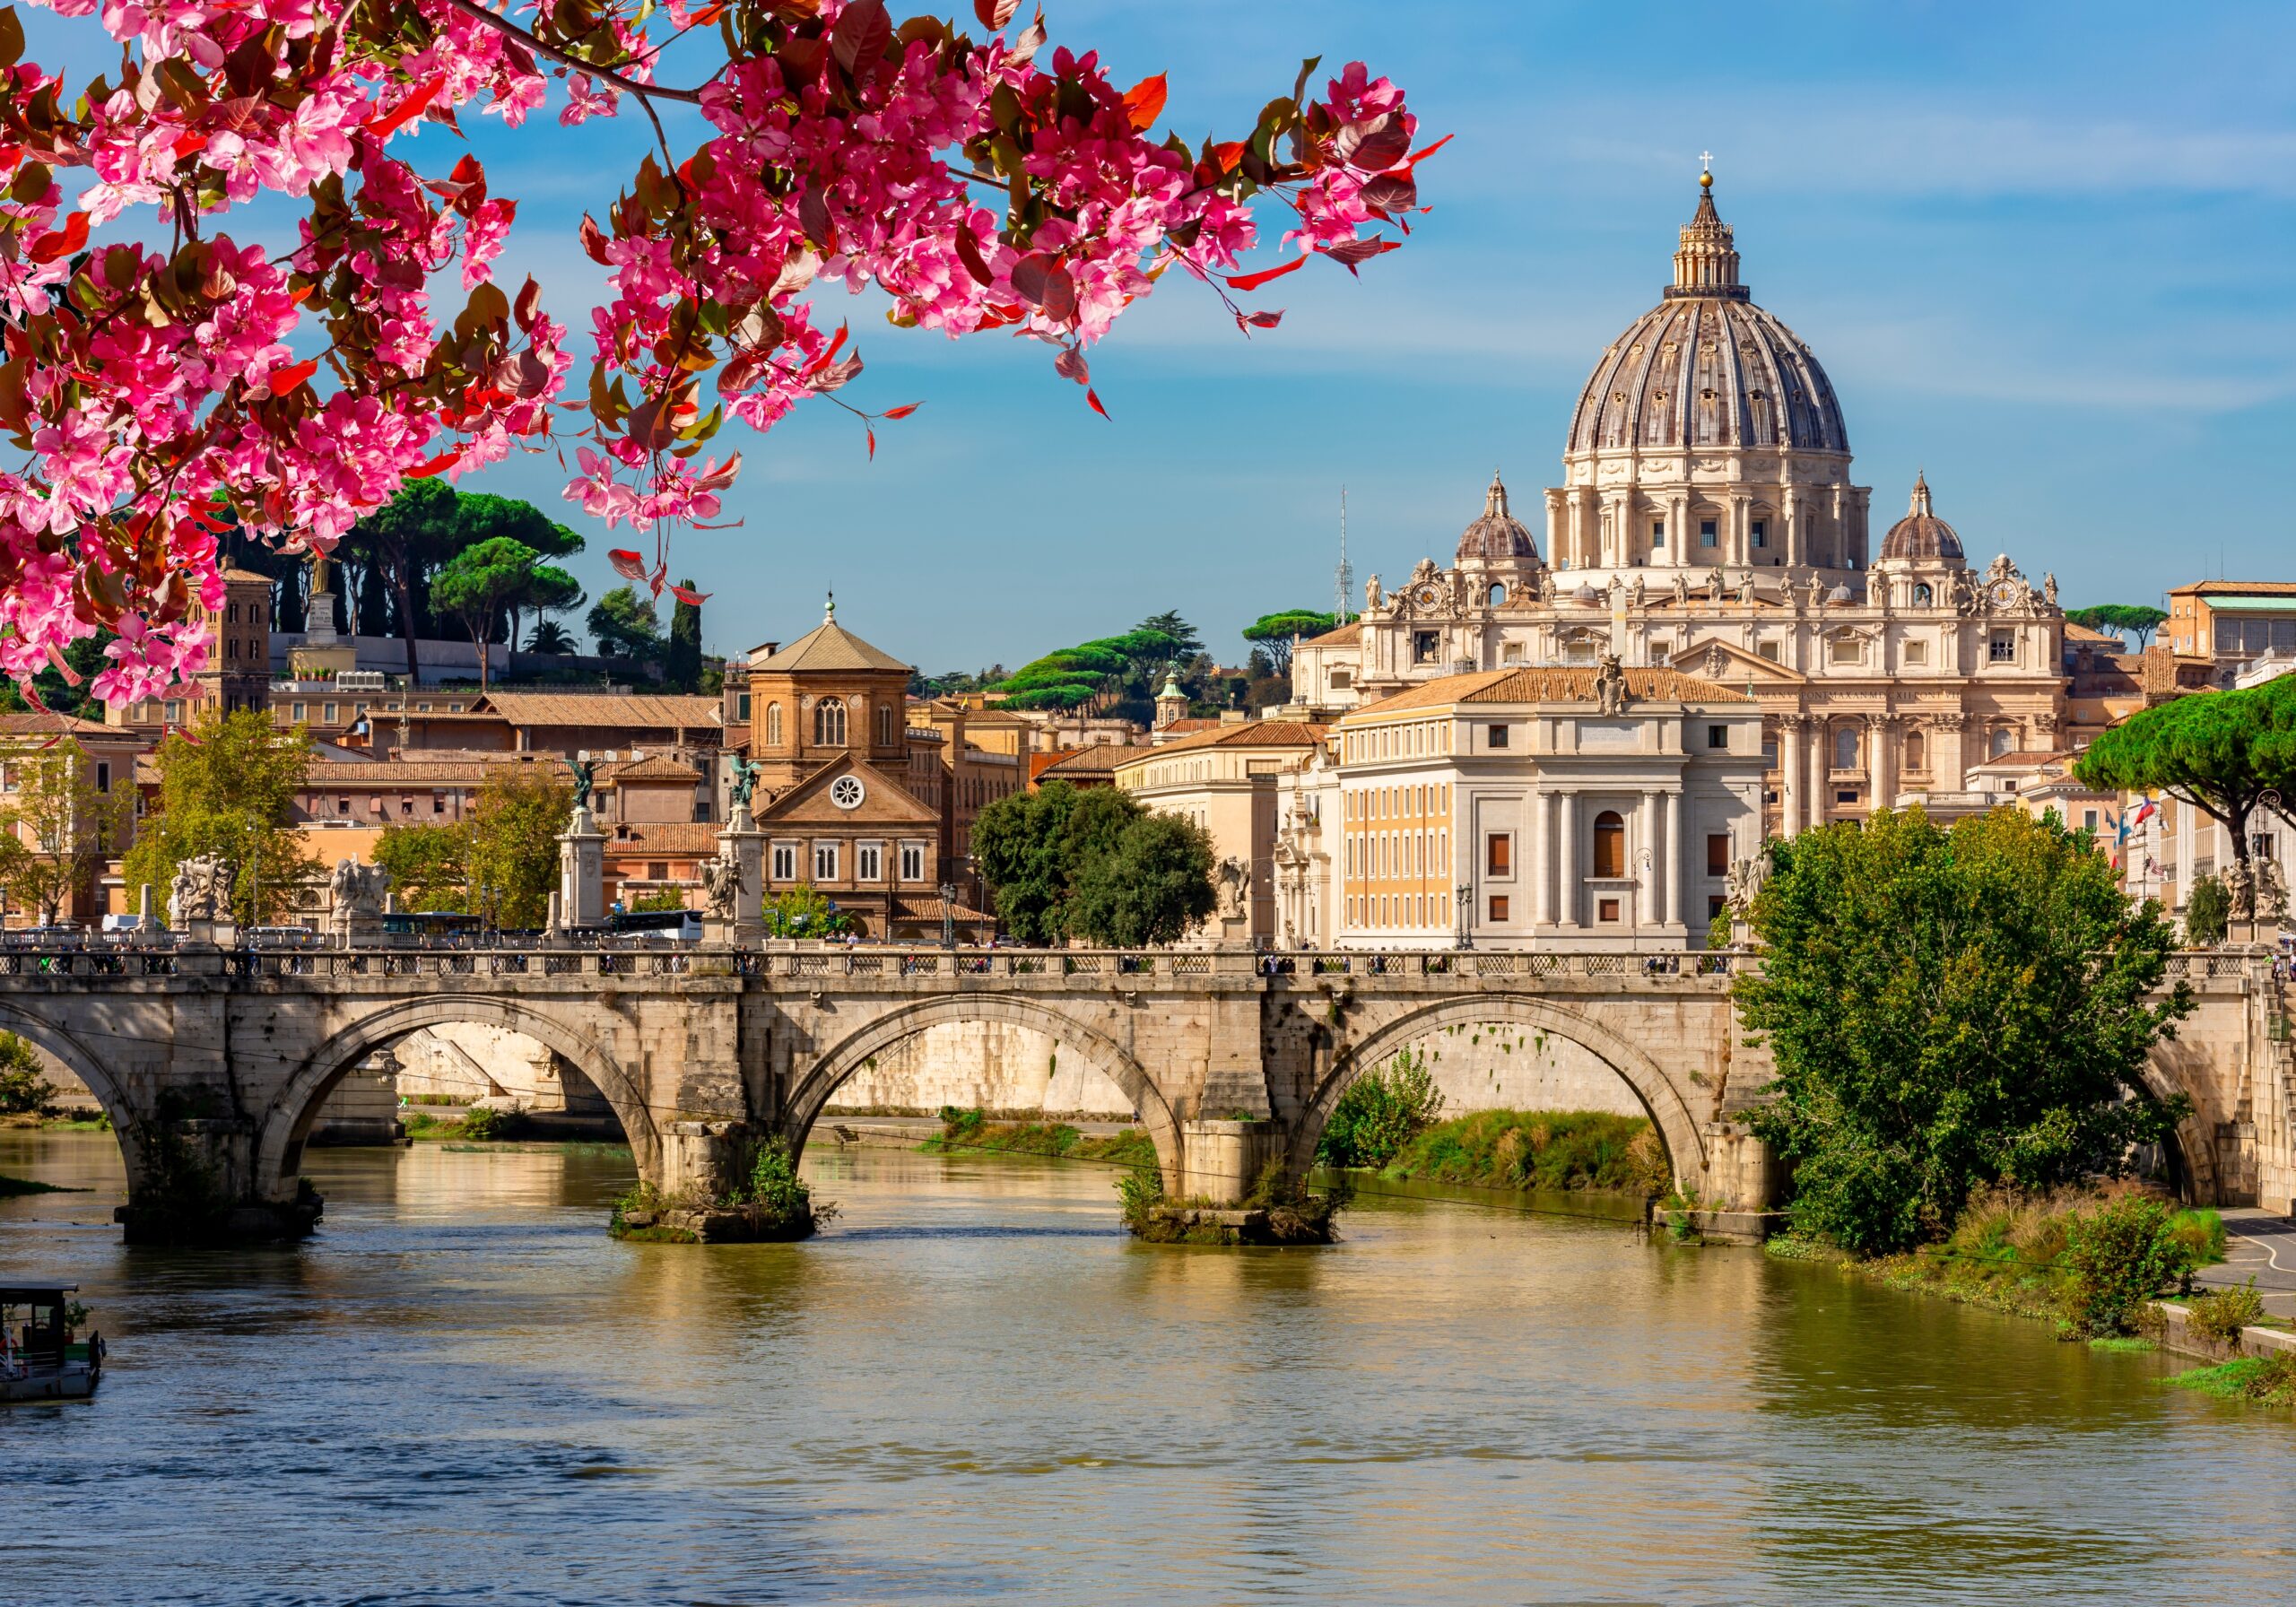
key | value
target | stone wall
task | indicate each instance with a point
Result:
(1012, 1073)
(482, 1065)
(1505, 1066)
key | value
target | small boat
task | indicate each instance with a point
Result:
(38, 1360)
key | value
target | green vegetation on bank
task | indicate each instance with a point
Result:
(481, 1123)
(772, 1204)
(1279, 1210)
(972, 1129)
(2263, 1380)
(2090, 1262)
(1951, 1010)
(1538, 1149)
(12, 1186)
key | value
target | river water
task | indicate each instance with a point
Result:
(973, 1387)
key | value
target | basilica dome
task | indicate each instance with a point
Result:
(1921, 534)
(1706, 367)
(1498, 537)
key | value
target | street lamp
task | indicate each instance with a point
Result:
(1463, 897)
(949, 916)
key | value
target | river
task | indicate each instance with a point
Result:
(973, 1387)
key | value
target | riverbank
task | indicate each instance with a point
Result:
(1545, 1152)
(1052, 1141)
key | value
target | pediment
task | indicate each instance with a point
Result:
(1733, 665)
(884, 801)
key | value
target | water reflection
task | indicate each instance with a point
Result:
(975, 1387)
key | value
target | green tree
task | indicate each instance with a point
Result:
(513, 848)
(1380, 1112)
(2208, 912)
(663, 898)
(804, 911)
(497, 575)
(228, 789)
(1274, 633)
(23, 1089)
(428, 866)
(1019, 843)
(549, 635)
(624, 626)
(1183, 636)
(56, 827)
(2225, 753)
(1151, 887)
(2122, 618)
(682, 653)
(1948, 1008)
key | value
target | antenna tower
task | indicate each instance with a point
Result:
(1346, 577)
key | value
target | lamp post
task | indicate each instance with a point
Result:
(949, 916)
(1464, 896)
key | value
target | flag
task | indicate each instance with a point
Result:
(2147, 812)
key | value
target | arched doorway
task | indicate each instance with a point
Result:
(812, 1092)
(1670, 1117)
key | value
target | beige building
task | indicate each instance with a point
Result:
(1526, 808)
(1226, 779)
(1707, 524)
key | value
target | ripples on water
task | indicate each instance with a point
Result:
(974, 1388)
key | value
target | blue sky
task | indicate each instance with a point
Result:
(2042, 250)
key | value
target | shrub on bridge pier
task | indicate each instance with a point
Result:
(1280, 1209)
(772, 1203)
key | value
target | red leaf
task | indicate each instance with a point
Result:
(1354, 251)
(284, 380)
(1071, 365)
(435, 466)
(863, 31)
(187, 142)
(1031, 41)
(1420, 156)
(63, 243)
(1391, 192)
(902, 412)
(1030, 275)
(1261, 320)
(383, 127)
(1059, 296)
(873, 444)
(696, 599)
(661, 573)
(1252, 282)
(1144, 102)
(1092, 399)
(593, 239)
(970, 254)
(1227, 155)
(994, 13)
(1373, 145)
(626, 563)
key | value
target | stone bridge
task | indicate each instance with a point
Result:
(213, 1062)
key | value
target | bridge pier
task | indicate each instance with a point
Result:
(195, 1179)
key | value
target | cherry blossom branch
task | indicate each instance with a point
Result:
(504, 26)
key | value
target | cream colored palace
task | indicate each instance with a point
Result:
(1576, 747)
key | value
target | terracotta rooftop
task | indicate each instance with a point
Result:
(235, 573)
(1099, 759)
(1243, 734)
(47, 722)
(654, 767)
(1546, 684)
(2249, 588)
(640, 710)
(664, 836)
(927, 907)
(420, 769)
(829, 645)
(1339, 636)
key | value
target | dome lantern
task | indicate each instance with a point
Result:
(1498, 537)
(1921, 534)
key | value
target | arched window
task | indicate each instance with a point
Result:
(1498, 597)
(1999, 745)
(773, 724)
(1917, 755)
(829, 723)
(884, 724)
(1610, 844)
(1922, 595)
(1845, 747)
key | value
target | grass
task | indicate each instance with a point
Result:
(1560, 1149)
(12, 1187)
(969, 1130)
(480, 1125)
(2257, 1380)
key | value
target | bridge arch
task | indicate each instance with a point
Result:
(88, 1067)
(812, 1092)
(1677, 1129)
(2192, 1156)
(287, 1121)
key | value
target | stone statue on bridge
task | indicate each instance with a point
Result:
(358, 891)
(1234, 876)
(721, 883)
(201, 891)
(1745, 881)
(586, 778)
(2272, 892)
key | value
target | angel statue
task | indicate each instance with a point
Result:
(721, 883)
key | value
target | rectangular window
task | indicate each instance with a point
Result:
(1715, 904)
(1719, 736)
(103, 777)
(784, 862)
(1846, 650)
(174, 712)
(912, 862)
(1498, 735)
(870, 857)
(1845, 794)
(1769, 752)
(2005, 647)
(437, 802)
(1767, 650)
(1706, 535)
(326, 715)
(299, 716)
(658, 870)
(2089, 819)
(1423, 645)
(744, 712)
(1760, 533)
(1498, 906)
(1916, 652)
(824, 862)
(1498, 854)
(1606, 910)
(343, 806)
(1657, 532)
(1717, 854)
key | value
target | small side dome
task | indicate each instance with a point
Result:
(1585, 596)
(1841, 593)
(1498, 536)
(1921, 534)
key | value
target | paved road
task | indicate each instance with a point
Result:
(2261, 1245)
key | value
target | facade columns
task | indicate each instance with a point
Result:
(1675, 858)
(1948, 763)
(1882, 764)
(1819, 761)
(1542, 857)
(1566, 861)
(1793, 773)
(1654, 843)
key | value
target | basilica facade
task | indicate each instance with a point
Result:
(1707, 524)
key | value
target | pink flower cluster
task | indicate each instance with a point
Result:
(172, 391)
